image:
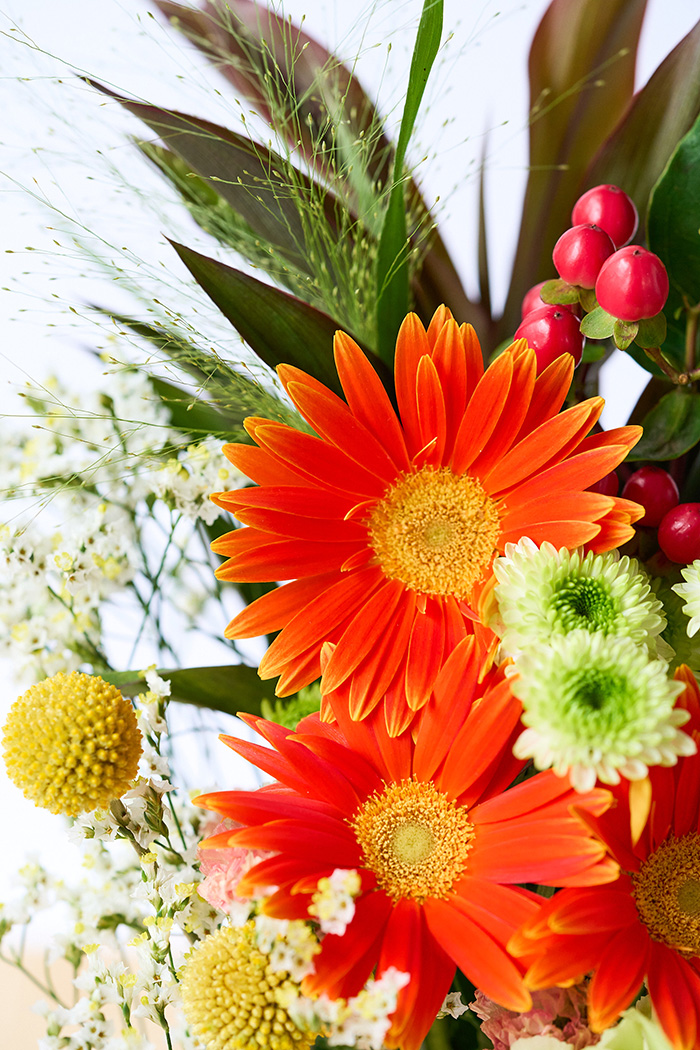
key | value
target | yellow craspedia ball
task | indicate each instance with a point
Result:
(71, 743)
(231, 995)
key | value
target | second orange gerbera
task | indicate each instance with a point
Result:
(437, 845)
(388, 529)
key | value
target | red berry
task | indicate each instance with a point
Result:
(580, 252)
(552, 331)
(533, 301)
(655, 490)
(607, 486)
(632, 284)
(679, 533)
(610, 208)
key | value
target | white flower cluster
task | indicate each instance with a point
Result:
(291, 946)
(55, 583)
(94, 464)
(140, 877)
(187, 480)
(361, 1021)
(333, 904)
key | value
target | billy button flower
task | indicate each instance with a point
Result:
(233, 996)
(387, 527)
(438, 843)
(71, 743)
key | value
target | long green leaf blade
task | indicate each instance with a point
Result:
(230, 689)
(582, 63)
(392, 262)
(278, 327)
(637, 151)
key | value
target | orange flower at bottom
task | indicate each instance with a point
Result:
(645, 926)
(388, 527)
(425, 820)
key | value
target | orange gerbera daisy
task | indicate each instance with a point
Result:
(646, 925)
(388, 529)
(426, 822)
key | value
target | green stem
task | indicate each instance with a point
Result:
(657, 357)
(691, 336)
(437, 1038)
(19, 965)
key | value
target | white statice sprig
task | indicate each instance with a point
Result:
(542, 592)
(361, 1021)
(333, 903)
(597, 707)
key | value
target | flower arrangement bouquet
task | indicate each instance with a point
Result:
(474, 711)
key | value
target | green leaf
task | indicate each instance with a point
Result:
(598, 324)
(652, 331)
(229, 689)
(674, 235)
(392, 262)
(581, 66)
(558, 291)
(593, 352)
(624, 333)
(302, 90)
(196, 418)
(671, 428)
(637, 151)
(278, 327)
(587, 299)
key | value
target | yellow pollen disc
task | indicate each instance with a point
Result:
(414, 839)
(233, 998)
(435, 531)
(667, 893)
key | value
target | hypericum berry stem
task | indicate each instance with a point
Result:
(691, 334)
(654, 352)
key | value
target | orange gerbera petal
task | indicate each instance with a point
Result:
(426, 499)
(429, 897)
(642, 927)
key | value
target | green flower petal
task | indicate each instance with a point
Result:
(543, 592)
(596, 707)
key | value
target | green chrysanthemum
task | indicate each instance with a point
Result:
(232, 995)
(543, 592)
(690, 591)
(598, 707)
(72, 743)
(682, 648)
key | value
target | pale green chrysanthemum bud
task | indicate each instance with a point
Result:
(597, 707)
(72, 744)
(690, 592)
(542, 591)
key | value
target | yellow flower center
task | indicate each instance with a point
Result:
(667, 893)
(435, 531)
(72, 743)
(232, 996)
(414, 839)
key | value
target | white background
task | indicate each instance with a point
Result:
(58, 139)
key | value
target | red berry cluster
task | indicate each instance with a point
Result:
(678, 523)
(630, 283)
